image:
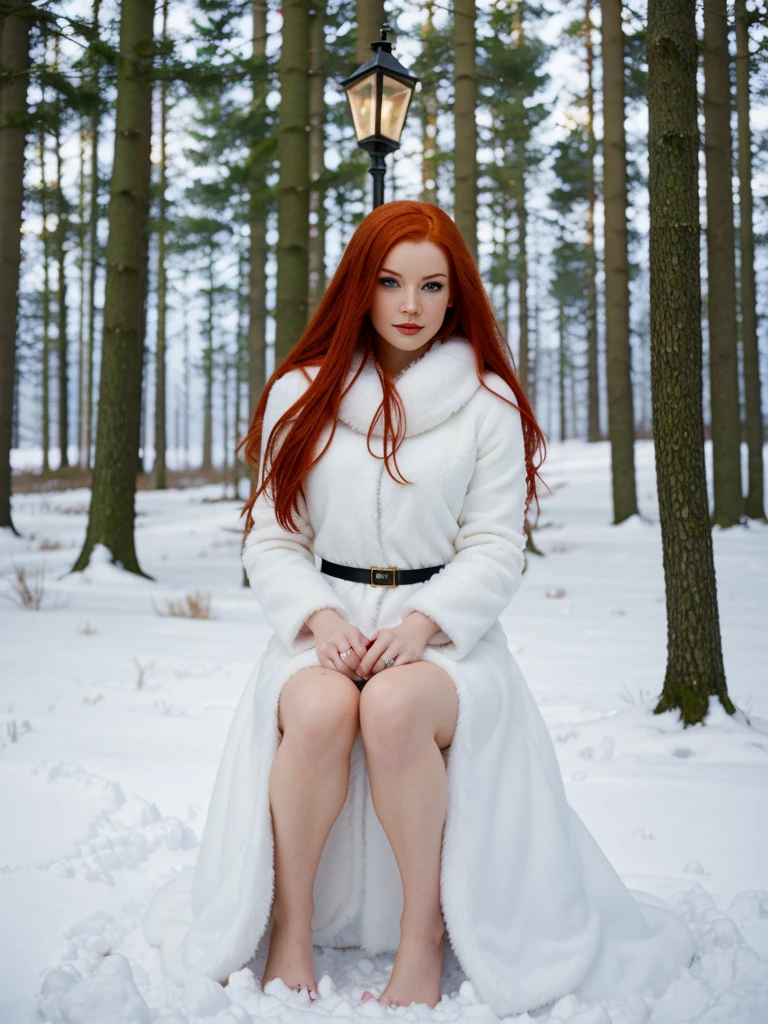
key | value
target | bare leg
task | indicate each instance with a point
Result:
(308, 783)
(407, 715)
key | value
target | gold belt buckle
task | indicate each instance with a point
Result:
(379, 572)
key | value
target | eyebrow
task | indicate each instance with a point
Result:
(385, 270)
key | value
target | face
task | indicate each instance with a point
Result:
(410, 299)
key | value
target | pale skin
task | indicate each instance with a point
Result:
(406, 713)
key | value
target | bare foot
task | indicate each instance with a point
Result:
(290, 958)
(415, 976)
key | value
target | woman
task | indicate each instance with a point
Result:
(388, 781)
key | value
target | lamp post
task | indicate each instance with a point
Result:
(379, 95)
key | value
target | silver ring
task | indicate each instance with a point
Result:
(390, 662)
(344, 654)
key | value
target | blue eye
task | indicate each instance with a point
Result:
(387, 281)
(438, 286)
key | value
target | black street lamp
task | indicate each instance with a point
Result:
(379, 94)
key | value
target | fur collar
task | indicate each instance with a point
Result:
(431, 388)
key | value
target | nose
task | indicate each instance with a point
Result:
(410, 304)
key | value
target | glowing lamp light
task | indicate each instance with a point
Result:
(379, 95)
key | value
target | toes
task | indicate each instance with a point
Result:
(366, 996)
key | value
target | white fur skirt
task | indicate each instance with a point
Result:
(533, 909)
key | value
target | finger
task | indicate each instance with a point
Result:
(331, 657)
(404, 657)
(374, 653)
(359, 643)
(351, 658)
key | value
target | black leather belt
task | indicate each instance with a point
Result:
(378, 576)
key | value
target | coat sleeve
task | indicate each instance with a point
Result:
(466, 597)
(281, 565)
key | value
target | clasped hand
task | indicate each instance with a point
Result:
(365, 656)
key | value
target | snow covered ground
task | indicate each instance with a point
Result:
(113, 718)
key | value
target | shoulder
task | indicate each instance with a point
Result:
(499, 417)
(288, 389)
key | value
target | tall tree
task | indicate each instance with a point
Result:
(14, 67)
(45, 436)
(257, 217)
(721, 285)
(618, 352)
(162, 306)
(94, 260)
(112, 511)
(754, 505)
(694, 654)
(369, 17)
(593, 378)
(465, 127)
(316, 155)
(293, 187)
(62, 230)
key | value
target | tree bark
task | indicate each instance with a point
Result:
(694, 655)
(161, 481)
(45, 439)
(208, 368)
(464, 107)
(370, 17)
(293, 186)
(618, 351)
(14, 61)
(257, 249)
(93, 253)
(82, 296)
(721, 304)
(112, 512)
(428, 105)
(593, 379)
(62, 227)
(754, 506)
(316, 156)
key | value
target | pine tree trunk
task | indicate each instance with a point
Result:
(241, 365)
(225, 367)
(370, 16)
(187, 374)
(112, 512)
(618, 351)
(257, 250)
(45, 369)
(208, 368)
(694, 655)
(82, 297)
(293, 186)
(593, 380)
(428, 106)
(562, 368)
(721, 304)
(754, 506)
(464, 112)
(146, 428)
(161, 482)
(61, 293)
(316, 156)
(14, 61)
(524, 369)
(93, 253)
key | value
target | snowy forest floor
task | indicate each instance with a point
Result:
(113, 718)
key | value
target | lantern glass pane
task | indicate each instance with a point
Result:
(394, 105)
(362, 102)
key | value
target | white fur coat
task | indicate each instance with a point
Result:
(533, 908)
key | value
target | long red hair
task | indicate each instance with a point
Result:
(341, 322)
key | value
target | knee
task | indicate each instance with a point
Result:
(389, 720)
(323, 721)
